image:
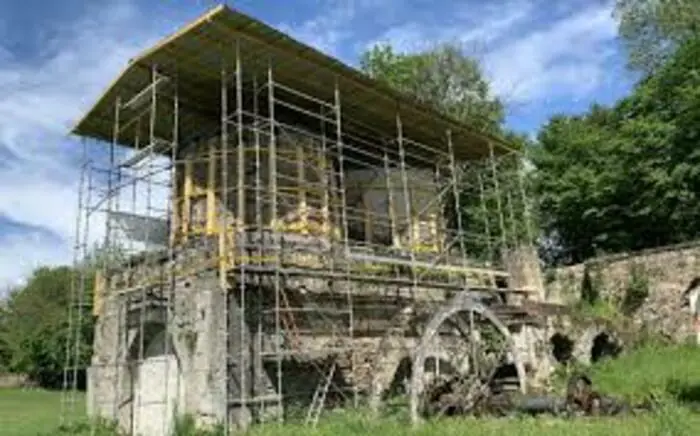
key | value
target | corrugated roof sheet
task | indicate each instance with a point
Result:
(196, 53)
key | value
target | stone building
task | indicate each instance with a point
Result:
(308, 223)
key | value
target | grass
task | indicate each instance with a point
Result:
(32, 412)
(670, 374)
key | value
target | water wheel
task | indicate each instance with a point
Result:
(465, 354)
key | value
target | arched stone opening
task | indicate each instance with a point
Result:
(399, 383)
(562, 347)
(435, 366)
(604, 346)
(506, 379)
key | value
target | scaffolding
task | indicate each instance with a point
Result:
(264, 232)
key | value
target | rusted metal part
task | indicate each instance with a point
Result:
(580, 400)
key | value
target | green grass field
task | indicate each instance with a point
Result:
(33, 412)
(669, 373)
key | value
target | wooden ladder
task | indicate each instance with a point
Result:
(290, 327)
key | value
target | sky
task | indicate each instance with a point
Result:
(542, 57)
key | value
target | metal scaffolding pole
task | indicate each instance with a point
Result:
(457, 199)
(224, 252)
(241, 232)
(499, 207)
(258, 189)
(346, 240)
(272, 155)
(170, 269)
(485, 212)
(77, 287)
(108, 244)
(407, 201)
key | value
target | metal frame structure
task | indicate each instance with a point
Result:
(269, 186)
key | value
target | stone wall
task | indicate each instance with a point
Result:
(14, 381)
(664, 272)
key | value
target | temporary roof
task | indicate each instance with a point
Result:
(195, 55)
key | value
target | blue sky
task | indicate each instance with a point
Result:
(542, 57)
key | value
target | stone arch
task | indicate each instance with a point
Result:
(562, 347)
(604, 345)
(594, 343)
(387, 368)
(462, 302)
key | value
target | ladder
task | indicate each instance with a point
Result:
(290, 328)
(319, 398)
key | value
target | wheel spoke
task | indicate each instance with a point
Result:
(474, 344)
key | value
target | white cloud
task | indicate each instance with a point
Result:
(329, 29)
(472, 25)
(24, 252)
(567, 57)
(41, 100)
(529, 51)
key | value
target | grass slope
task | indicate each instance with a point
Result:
(671, 374)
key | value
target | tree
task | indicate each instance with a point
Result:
(571, 178)
(653, 29)
(627, 177)
(46, 318)
(35, 327)
(442, 77)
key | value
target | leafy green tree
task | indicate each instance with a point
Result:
(5, 353)
(627, 177)
(50, 316)
(443, 77)
(35, 325)
(653, 29)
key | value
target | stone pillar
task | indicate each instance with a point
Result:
(224, 371)
(106, 396)
(240, 366)
(202, 323)
(694, 304)
(523, 266)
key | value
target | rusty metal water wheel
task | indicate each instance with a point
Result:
(457, 361)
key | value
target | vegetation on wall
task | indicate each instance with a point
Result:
(590, 286)
(636, 291)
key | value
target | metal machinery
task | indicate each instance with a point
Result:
(284, 234)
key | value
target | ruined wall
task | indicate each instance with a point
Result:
(307, 189)
(299, 167)
(663, 272)
(375, 190)
(15, 381)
